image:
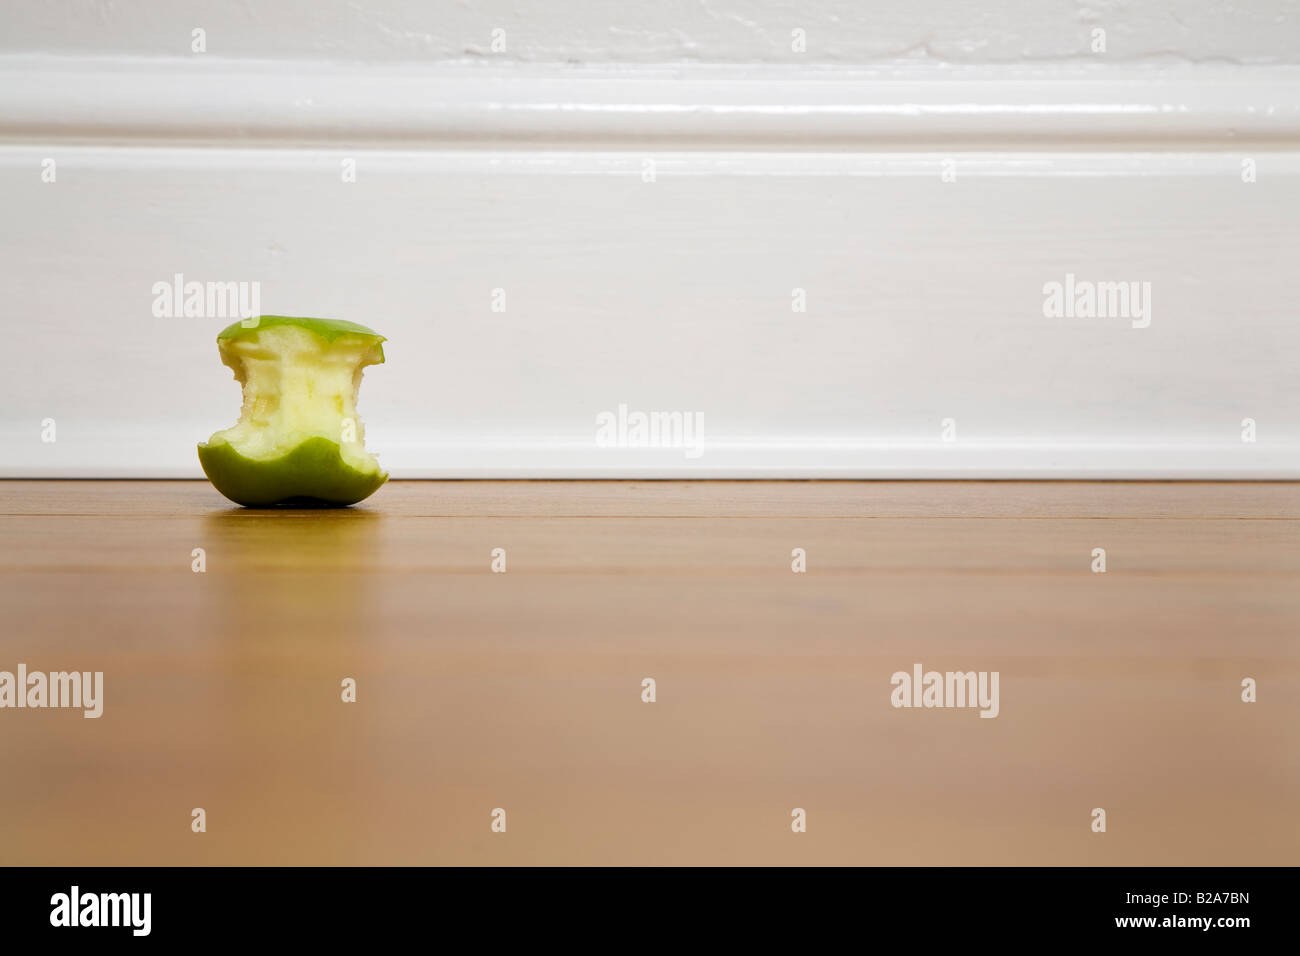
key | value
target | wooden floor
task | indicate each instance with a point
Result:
(522, 690)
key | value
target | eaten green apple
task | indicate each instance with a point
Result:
(298, 438)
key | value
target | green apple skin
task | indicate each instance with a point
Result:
(328, 330)
(314, 470)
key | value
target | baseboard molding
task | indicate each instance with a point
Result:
(1071, 105)
(415, 458)
(649, 232)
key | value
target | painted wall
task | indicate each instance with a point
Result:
(853, 32)
(843, 271)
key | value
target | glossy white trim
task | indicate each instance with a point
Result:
(268, 103)
(671, 294)
(161, 457)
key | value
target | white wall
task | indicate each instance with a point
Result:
(854, 32)
(921, 173)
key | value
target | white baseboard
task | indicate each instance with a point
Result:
(784, 108)
(648, 230)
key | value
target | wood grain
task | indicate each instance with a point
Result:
(819, 499)
(522, 690)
